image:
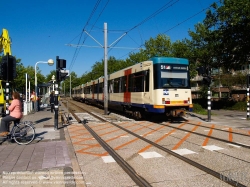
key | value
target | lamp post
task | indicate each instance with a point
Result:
(53, 82)
(49, 62)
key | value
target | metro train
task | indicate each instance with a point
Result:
(160, 85)
(78, 94)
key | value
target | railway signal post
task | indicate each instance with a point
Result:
(61, 74)
(8, 73)
(206, 73)
(207, 80)
(248, 102)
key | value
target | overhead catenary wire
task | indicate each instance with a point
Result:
(164, 7)
(87, 23)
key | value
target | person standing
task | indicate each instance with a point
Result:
(15, 113)
(52, 101)
(33, 99)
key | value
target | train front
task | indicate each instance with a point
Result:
(171, 86)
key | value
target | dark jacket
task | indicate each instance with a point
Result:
(52, 99)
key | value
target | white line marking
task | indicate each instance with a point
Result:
(150, 155)
(183, 151)
(108, 159)
(212, 147)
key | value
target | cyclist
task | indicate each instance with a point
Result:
(15, 113)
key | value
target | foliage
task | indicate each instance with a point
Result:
(240, 106)
(198, 109)
(222, 39)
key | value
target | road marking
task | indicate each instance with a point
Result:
(230, 135)
(161, 138)
(119, 147)
(184, 151)
(152, 154)
(185, 137)
(108, 159)
(212, 147)
(209, 134)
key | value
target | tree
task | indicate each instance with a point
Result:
(222, 39)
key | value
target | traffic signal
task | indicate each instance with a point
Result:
(12, 68)
(8, 68)
(207, 80)
(61, 74)
(248, 80)
(201, 70)
(4, 70)
(60, 63)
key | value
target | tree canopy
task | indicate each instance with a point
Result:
(221, 40)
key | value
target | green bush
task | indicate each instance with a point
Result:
(197, 108)
(241, 106)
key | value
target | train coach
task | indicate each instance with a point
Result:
(78, 94)
(160, 85)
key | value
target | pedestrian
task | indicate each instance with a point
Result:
(15, 113)
(33, 99)
(52, 101)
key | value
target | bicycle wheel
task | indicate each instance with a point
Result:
(24, 134)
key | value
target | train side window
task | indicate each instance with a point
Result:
(116, 85)
(123, 84)
(138, 82)
(96, 88)
(101, 87)
(111, 86)
(130, 82)
(146, 77)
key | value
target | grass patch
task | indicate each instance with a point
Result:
(240, 106)
(198, 109)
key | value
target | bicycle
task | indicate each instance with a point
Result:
(22, 132)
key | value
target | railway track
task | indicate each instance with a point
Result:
(138, 179)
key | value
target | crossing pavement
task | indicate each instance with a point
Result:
(50, 159)
(232, 118)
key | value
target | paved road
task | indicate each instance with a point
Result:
(232, 118)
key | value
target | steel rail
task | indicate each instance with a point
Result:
(219, 129)
(139, 180)
(215, 138)
(216, 174)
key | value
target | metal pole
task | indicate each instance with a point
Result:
(35, 88)
(56, 107)
(29, 90)
(70, 86)
(208, 105)
(56, 100)
(7, 86)
(248, 102)
(105, 71)
(26, 87)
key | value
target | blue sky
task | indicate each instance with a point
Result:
(40, 29)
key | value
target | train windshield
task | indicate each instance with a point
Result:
(171, 76)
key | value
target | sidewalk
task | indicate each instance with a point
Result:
(232, 118)
(47, 161)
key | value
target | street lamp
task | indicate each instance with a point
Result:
(51, 63)
(53, 82)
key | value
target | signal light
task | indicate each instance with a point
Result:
(8, 68)
(207, 80)
(201, 70)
